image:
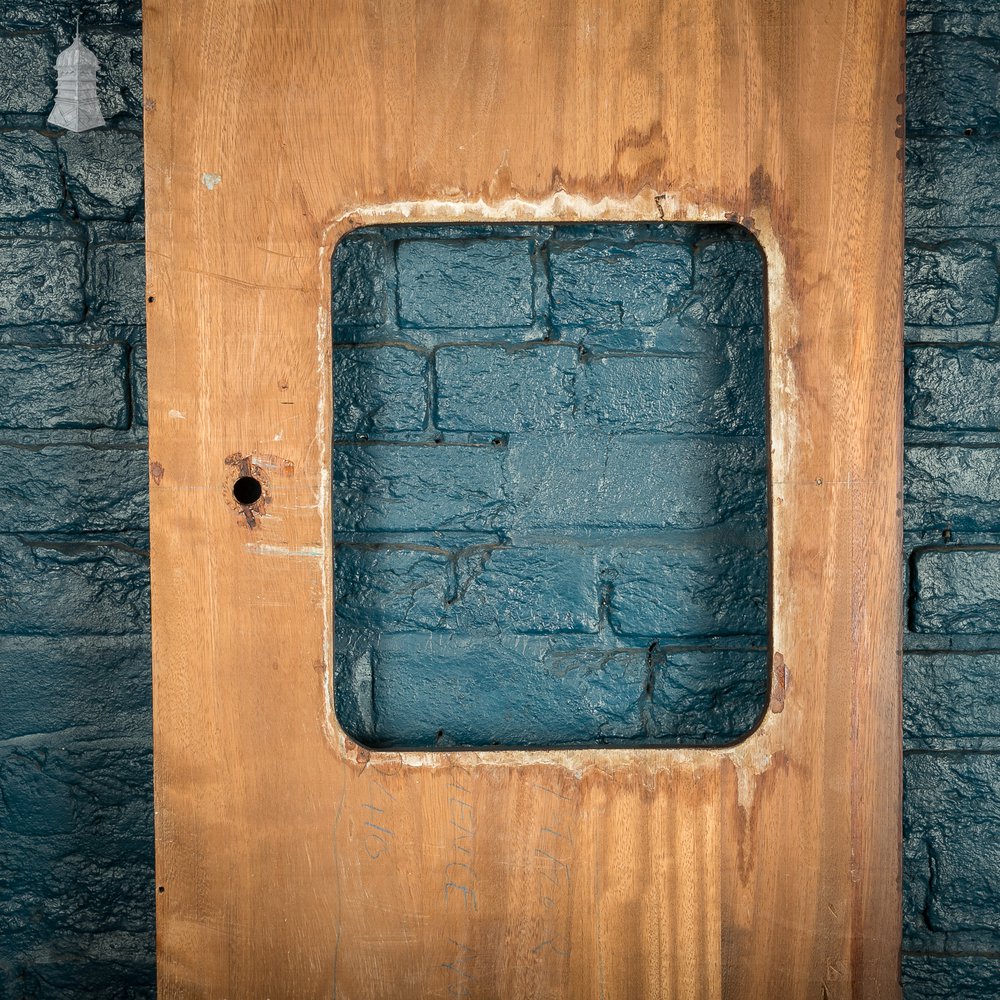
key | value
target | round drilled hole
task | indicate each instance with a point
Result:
(247, 490)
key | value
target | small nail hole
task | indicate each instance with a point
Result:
(152, 298)
(247, 490)
(160, 889)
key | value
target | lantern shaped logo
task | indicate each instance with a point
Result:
(76, 108)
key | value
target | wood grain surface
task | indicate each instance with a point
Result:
(292, 863)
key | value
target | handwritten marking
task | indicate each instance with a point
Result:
(378, 838)
(554, 893)
(465, 955)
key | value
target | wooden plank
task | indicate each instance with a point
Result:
(765, 870)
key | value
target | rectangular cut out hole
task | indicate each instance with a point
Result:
(550, 485)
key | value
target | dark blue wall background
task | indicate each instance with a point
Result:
(550, 502)
(76, 889)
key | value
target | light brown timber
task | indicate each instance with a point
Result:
(764, 871)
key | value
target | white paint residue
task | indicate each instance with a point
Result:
(754, 755)
(211, 181)
(177, 415)
(305, 552)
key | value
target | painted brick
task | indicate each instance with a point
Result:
(952, 388)
(615, 285)
(951, 697)
(478, 283)
(74, 973)
(354, 661)
(116, 283)
(103, 172)
(85, 889)
(27, 77)
(950, 977)
(419, 488)
(382, 589)
(951, 825)
(951, 83)
(140, 397)
(63, 387)
(29, 175)
(707, 697)
(40, 281)
(950, 284)
(48, 13)
(952, 182)
(378, 390)
(360, 268)
(90, 685)
(572, 481)
(463, 687)
(59, 790)
(535, 589)
(119, 84)
(952, 487)
(700, 395)
(728, 283)
(957, 590)
(698, 590)
(73, 488)
(72, 587)
(492, 389)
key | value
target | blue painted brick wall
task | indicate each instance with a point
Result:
(952, 503)
(75, 824)
(76, 832)
(550, 485)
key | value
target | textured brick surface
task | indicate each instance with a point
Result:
(76, 825)
(45, 13)
(706, 697)
(496, 512)
(40, 281)
(617, 482)
(688, 593)
(382, 589)
(360, 269)
(952, 388)
(957, 591)
(117, 282)
(119, 84)
(728, 273)
(538, 589)
(951, 699)
(379, 391)
(29, 175)
(457, 688)
(602, 284)
(73, 488)
(953, 977)
(687, 395)
(83, 685)
(950, 284)
(952, 487)
(952, 183)
(419, 488)
(27, 82)
(492, 389)
(952, 81)
(51, 586)
(63, 387)
(103, 172)
(478, 283)
(952, 843)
